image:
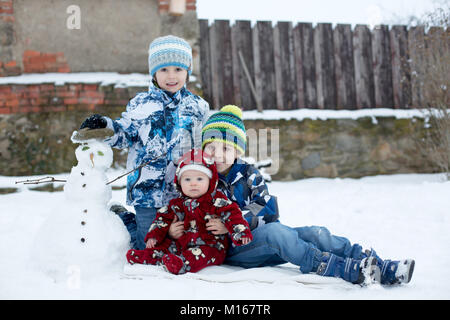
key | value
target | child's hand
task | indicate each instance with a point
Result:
(151, 243)
(176, 229)
(216, 226)
(245, 241)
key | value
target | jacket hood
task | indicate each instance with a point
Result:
(198, 157)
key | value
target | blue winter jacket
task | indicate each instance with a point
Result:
(159, 127)
(245, 185)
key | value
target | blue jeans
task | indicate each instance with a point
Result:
(275, 243)
(138, 225)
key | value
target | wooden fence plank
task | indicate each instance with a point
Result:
(382, 67)
(205, 61)
(344, 67)
(215, 75)
(305, 65)
(236, 66)
(324, 57)
(242, 42)
(401, 79)
(264, 63)
(224, 61)
(362, 52)
(284, 66)
(437, 64)
(416, 46)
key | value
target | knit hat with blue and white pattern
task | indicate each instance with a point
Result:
(169, 51)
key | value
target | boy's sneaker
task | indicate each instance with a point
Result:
(393, 272)
(361, 272)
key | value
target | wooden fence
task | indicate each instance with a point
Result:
(286, 67)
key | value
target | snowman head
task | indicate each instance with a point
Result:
(94, 154)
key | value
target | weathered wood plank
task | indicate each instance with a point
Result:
(224, 61)
(401, 76)
(242, 42)
(416, 46)
(362, 52)
(324, 57)
(382, 67)
(305, 65)
(344, 67)
(264, 63)
(205, 61)
(215, 76)
(284, 66)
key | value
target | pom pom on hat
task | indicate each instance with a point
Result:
(232, 109)
(226, 126)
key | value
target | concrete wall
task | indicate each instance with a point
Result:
(114, 35)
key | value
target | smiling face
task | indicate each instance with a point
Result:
(194, 183)
(223, 154)
(171, 78)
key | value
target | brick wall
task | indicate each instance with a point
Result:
(49, 97)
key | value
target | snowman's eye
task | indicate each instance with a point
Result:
(85, 148)
(100, 153)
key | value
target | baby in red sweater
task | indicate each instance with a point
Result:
(196, 177)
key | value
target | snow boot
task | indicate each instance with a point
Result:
(173, 263)
(362, 272)
(141, 256)
(393, 271)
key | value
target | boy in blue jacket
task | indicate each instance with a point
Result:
(157, 127)
(312, 248)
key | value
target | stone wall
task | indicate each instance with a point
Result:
(39, 143)
(346, 147)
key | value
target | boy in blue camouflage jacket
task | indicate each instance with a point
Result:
(157, 127)
(312, 248)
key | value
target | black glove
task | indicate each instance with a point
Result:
(95, 121)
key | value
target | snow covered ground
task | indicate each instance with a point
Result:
(401, 216)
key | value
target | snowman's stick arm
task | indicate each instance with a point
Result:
(137, 168)
(40, 180)
(52, 179)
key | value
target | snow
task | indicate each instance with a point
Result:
(400, 216)
(322, 114)
(104, 78)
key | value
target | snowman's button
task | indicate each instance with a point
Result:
(83, 223)
(83, 240)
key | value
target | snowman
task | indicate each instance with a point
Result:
(83, 236)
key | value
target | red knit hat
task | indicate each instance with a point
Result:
(198, 160)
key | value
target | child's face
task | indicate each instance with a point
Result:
(171, 78)
(222, 153)
(194, 183)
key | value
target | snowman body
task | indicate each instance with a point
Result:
(84, 235)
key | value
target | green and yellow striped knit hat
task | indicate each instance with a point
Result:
(226, 126)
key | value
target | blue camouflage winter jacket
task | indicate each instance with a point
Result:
(245, 185)
(159, 127)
